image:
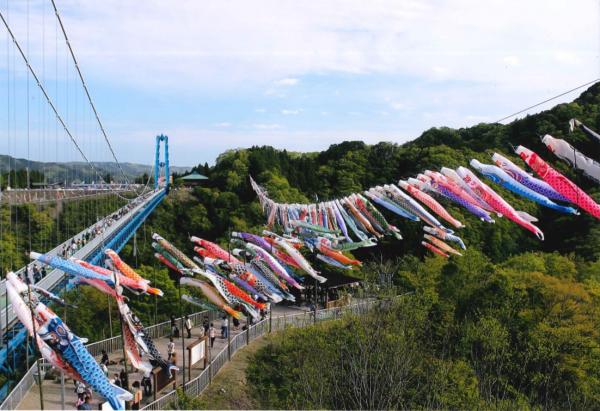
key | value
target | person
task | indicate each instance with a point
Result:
(123, 378)
(137, 396)
(104, 369)
(29, 277)
(236, 323)
(224, 327)
(44, 272)
(170, 348)
(86, 404)
(117, 381)
(80, 390)
(212, 335)
(205, 325)
(36, 273)
(174, 359)
(147, 384)
(188, 326)
(104, 359)
(88, 392)
(173, 325)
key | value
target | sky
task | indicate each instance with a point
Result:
(217, 75)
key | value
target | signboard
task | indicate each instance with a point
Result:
(197, 351)
(161, 379)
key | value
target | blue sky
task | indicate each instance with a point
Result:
(218, 75)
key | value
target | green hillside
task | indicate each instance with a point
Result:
(512, 324)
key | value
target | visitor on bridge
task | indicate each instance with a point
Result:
(123, 378)
(116, 381)
(85, 404)
(36, 274)
(170, 348)
(188, 326)
(224, 328)
(174, 361)
(173, 325)
(104, 359)
(147, 385)
(137, 396)
(212, 334)
(29, 278)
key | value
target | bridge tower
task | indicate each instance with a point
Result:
(158, 164)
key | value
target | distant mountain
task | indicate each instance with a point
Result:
(78, 169)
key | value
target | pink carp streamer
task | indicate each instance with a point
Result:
(559, 182)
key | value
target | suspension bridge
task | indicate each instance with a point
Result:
(51, 118)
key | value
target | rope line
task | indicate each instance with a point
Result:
(547, 100)
(89, 97)
(45, 93)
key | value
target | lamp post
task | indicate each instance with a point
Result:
(315, 305)
(39, 370)
(228, 338)
(182, 335)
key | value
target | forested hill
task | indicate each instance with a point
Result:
(53, 172)
(513, 324)
(226, 202)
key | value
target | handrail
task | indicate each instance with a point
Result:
(55, 276)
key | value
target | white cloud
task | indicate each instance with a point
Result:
(231, 46)
(397, 105)
(270, 126)
(289, 112)
(434, 63)
(568, 58)
(511, 61)
(287, 82)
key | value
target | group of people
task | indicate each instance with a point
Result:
(122, 380)
(187, 324)
(32, 274)
(84, 396)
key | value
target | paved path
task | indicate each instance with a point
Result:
(52, 389)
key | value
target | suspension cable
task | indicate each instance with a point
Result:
(41, 87)
(547, 100)
(89, 97)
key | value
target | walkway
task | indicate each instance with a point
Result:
(52, 389)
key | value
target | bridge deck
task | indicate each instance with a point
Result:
(55, 276)
(123, 227)
(42, 195)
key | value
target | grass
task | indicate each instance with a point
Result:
(229, 390)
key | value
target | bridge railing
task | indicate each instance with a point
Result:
(15, 397)
(197, 385)
(110, 345)
(56, 276)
